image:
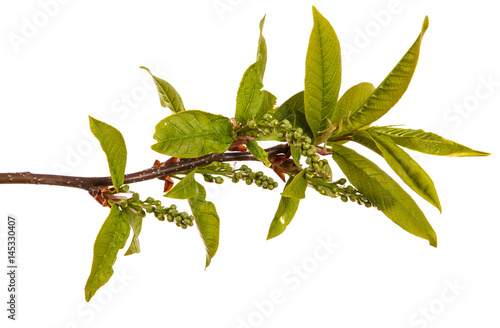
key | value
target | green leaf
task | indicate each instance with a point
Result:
(258, 152)
(250, 100)
(207, 221)
(389, 91)
(293, 110)
(135, 221)
(426, 142)
(111, 238)
(323, 74)
(408, 170)
(284, 214)
(383, 192)
(268, 102)
(193, 133)
(113, 144)
(295, 155)
(186, 188)
(351, 101)
(297, 187)
(168, 95)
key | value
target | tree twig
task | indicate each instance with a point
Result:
(87, 183)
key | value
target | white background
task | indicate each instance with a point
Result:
(84, 59)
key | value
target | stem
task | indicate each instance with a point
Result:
(87, 183)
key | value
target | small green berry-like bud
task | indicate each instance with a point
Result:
(343, 198)
(149, 209)
(281, 135)
(297, 135)
(177, 218)
(316, 158)
(306, 146)
(184, 215)
(234, 179)
(275, 185)
(368, 205)
(243, 167)
(252, 175)
(124, 188)
(270, 187)
(259, 174)
(170, 218)
(315, 167)
(258, 183)
(219, 180)
(267, 131)
(308, 160)
(208, 178)
(341, 181)
(174, 212)
(157, 203)
(252, 124)
(265, 184)
(311, 151)
(238, 175)
(285, 122)
(299, 130)
(270, 181)
(135, 197)
(267, 117)
(307, 140)
(304, 152)
(275, 123)
(249, 181)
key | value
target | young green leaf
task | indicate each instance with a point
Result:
(295, 155)
(135, 221)
(426, 142)
(268, 102)
(193, 133)
(111, 238)
(250, 100)
(323, 74)
(297, 187)
(113, 144)
(383, 192)
(408, 170)
(389, 91)
(293, 110)
(207, 221)
(186, 188)
(351, 101)
(258, 152)
(168, 95)
(284, 214)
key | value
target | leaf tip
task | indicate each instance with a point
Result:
(425, 25)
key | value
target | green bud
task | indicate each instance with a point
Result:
(267, 117)
(243, 167)
(219, 180)
(267, 131)
(252, 175)
(350, 189)
(275, 184)
(157, 203)
(368, 204)
(249, 181)
(173, 207)
(306, 146)
(316, 158)
(341, 181)
(288, 127)
(208, 177)
(281, 135)
(238, 175)
(265, 184)
(285, 122)
(343, 198)
(149, 209)
(308, 160)
(311, 151)
(270, 187)
(177, 218)
(234, 179)
(258, 183)
(135, 197)
(160, 218)
(270, 181)
(315, 167)
(303, 152)
(252, 124)
(307, 140)
(248, 170)
(275, 123)
(170, 218)
(124, 188)
(184, 215)
(174, 212)
(299, 130)
(259, 174)
(297, 135)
